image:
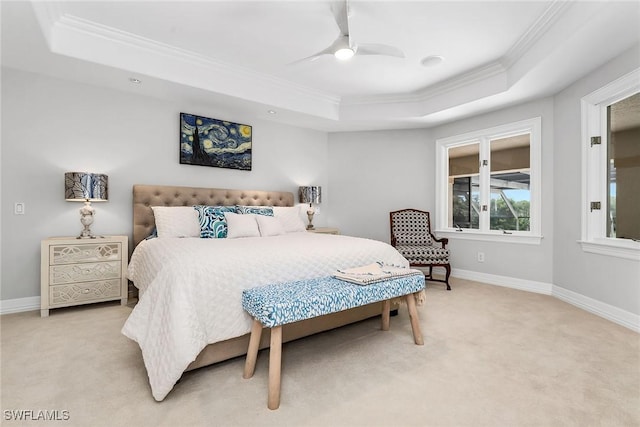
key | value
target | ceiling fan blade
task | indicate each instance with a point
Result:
(307, 59)
(340, 11)
(330, 50)
(379, 49)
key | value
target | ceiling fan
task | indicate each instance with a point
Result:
(343, 47)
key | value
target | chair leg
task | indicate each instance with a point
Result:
(429, 276)
(446, 278)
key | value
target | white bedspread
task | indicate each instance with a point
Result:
(190, 288)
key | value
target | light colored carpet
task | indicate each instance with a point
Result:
(492, 357)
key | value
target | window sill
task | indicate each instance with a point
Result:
(619, 248)
(491, 237)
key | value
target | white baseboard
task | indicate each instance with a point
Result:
(609, 312)
(604, 310)
(19, 304)
(508, 282)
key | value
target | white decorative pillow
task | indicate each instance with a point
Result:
(290, 218)
(176, 221)
(269, 226)
(239, 225)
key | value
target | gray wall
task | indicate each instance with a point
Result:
(607, 279)
(373, 173)
(52, 126)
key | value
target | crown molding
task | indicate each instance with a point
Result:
(76, 37)
(476, 75)
(123, 38)
(53, 21)
(535, 32)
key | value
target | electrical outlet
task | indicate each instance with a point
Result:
(18, 208)
(480, 256)
(316, 209)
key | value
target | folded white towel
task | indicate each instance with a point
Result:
(365, 270)
(373, 273)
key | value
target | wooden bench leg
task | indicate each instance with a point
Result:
(275, 358)
(415, 322)
(386, 310)
(252, 352)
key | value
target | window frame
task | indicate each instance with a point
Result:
(533, 236)
(594, 169)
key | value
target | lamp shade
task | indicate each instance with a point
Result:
(83, 186)
(310, 194)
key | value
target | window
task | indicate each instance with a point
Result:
(611, 169)
(488, 183)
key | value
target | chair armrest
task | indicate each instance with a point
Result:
(444, 241)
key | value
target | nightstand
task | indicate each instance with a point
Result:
(325, 230)
(82, 271)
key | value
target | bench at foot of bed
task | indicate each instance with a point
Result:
(275, 305)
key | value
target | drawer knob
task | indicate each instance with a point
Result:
(85, 291)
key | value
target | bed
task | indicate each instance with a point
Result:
(189, 312)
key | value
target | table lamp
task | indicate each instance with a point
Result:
(86, 187)
(310, 194)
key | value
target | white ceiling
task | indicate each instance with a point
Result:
(243, 53)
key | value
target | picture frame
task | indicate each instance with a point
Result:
(206, 141)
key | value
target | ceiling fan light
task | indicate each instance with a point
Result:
(344, 53)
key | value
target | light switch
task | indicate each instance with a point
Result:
(18, 208)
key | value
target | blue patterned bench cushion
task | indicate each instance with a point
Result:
(282, 303)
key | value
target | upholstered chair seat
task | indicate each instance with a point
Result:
(419, 254)
(411, 236)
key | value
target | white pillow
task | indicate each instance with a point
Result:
(241, 225)
(290, 218)
(269, 226)
(176, 221)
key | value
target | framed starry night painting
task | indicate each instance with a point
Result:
(217, 143)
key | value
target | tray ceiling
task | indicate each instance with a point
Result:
(244, 53)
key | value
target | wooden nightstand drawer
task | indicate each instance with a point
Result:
(69, 254)
(104, 290)
(82, 271)
(70, 273)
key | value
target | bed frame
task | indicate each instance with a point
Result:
(145, 196)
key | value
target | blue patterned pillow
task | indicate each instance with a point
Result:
(258, 210)
(213, 225)
(153, 235)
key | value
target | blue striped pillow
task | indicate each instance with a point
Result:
(258, 210)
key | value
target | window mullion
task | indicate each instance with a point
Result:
(590, 168)
(485, 183)
(597, 172)
(600, 216)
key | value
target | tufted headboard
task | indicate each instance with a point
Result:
(145, 196)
